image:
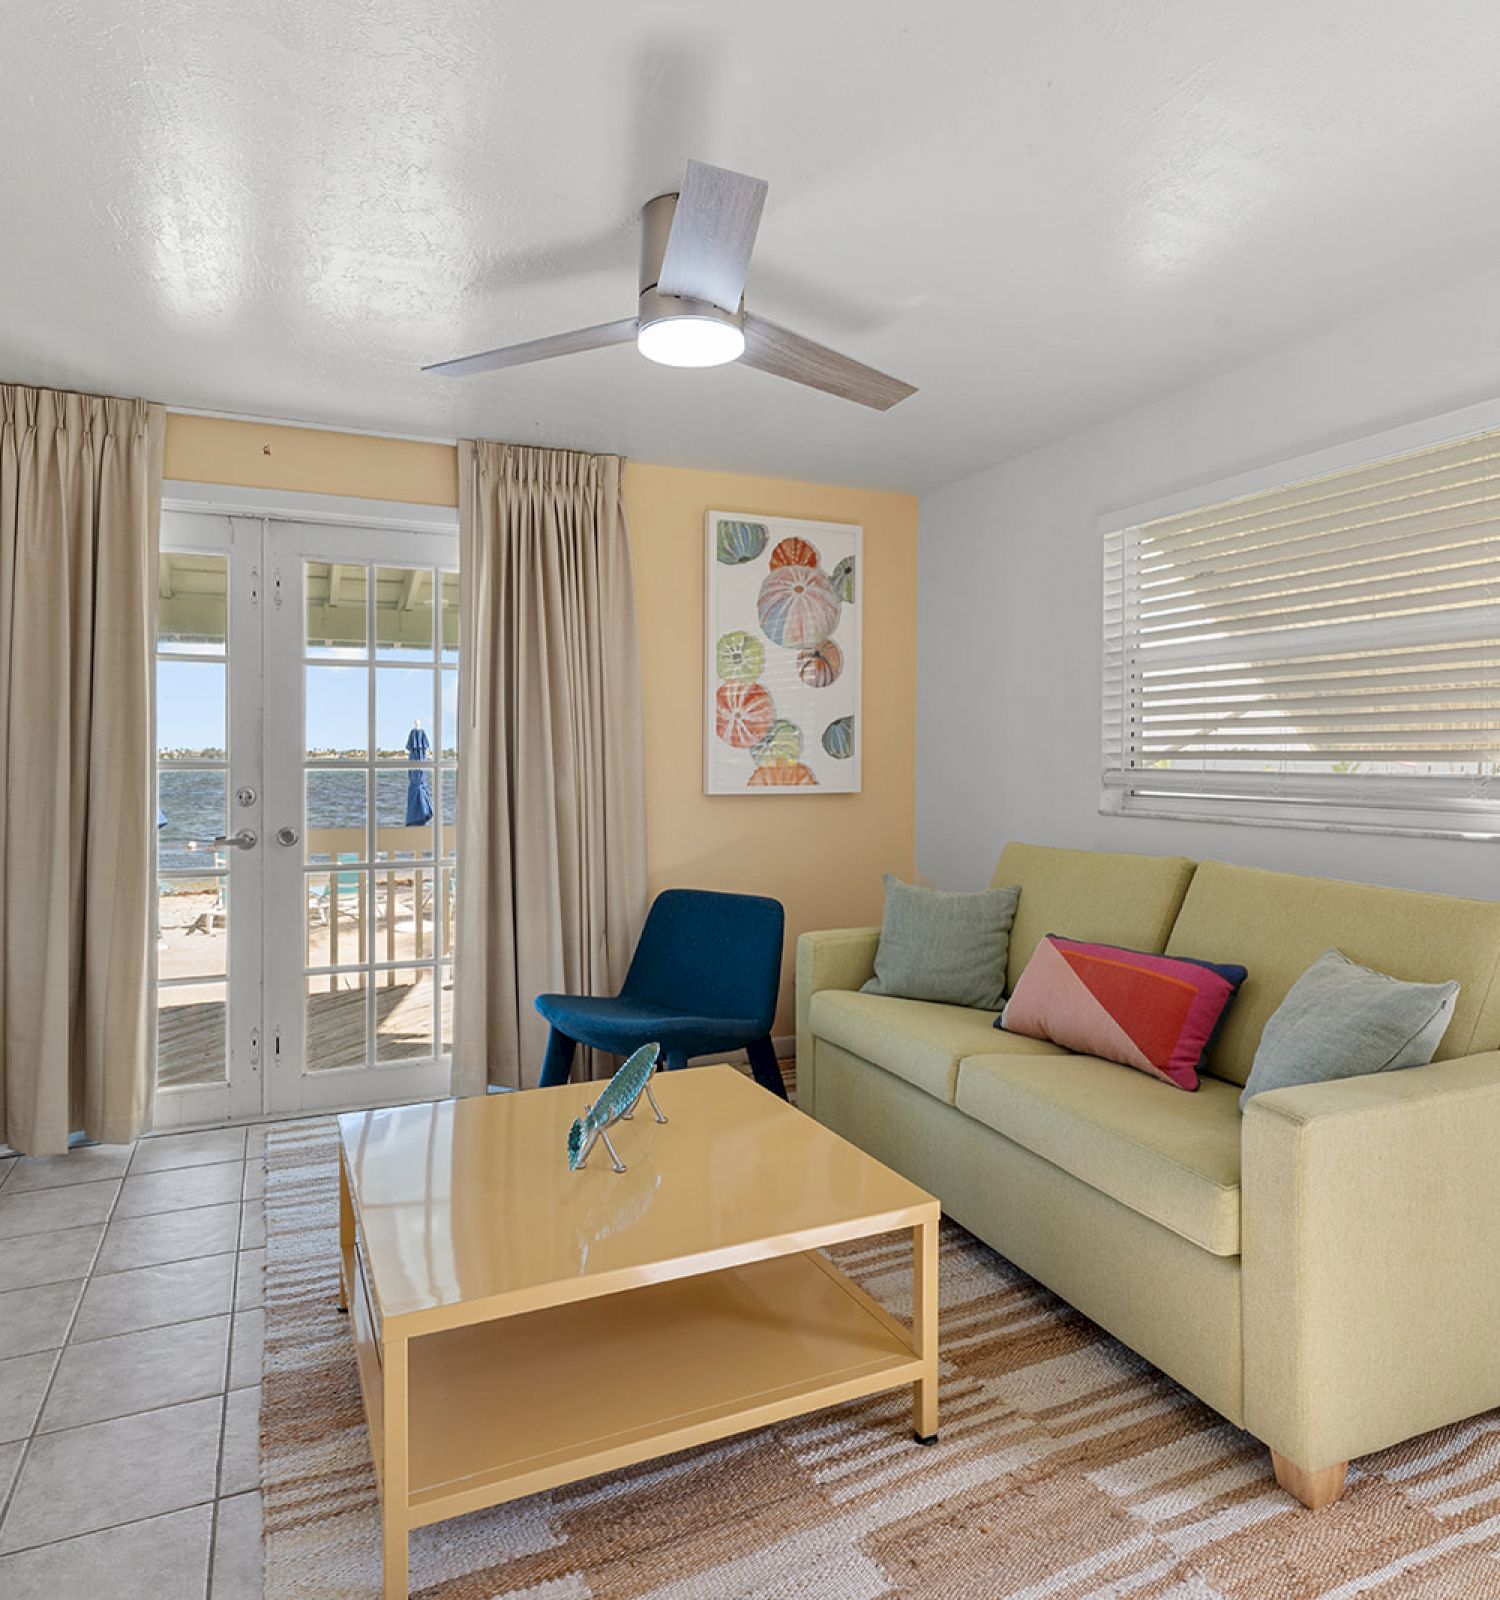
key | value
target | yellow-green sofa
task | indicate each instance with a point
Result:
(1324, 1270)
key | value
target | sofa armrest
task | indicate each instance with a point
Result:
(1371, 1257)
(837, 958)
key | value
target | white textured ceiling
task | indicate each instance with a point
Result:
(1041, 213)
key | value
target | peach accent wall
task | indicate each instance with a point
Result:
(821, 855)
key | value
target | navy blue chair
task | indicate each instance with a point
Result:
(704, 978)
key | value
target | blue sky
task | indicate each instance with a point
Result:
(190, 705)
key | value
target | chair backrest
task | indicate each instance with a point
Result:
(710, 955)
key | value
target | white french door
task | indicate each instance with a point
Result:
(307, 749)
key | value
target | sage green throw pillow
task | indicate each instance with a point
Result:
(1342, 1020)
(938, 945)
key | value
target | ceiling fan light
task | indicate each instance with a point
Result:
(686, 341)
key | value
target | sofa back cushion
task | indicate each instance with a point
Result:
(1092, 895)
(1276, 924)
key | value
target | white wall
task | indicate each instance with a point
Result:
(1009, 598)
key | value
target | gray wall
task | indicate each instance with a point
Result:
(1009, 598)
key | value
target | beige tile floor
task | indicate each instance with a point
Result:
(130, 1341)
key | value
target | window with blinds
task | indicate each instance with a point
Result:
(1327, 653)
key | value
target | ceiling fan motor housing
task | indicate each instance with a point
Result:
(656, 225)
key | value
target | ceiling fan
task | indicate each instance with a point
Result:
(695, 250)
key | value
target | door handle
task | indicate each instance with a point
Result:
(245, 839)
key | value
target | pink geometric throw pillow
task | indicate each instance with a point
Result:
(1158, 1014)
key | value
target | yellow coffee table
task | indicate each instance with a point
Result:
(518, 1325)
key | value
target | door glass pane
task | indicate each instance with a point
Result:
(192, 928)
(398, 798)
(337, 1017)
(191, 1030)
(403, 613)
(403, 712)
(448, 780)
(337, 808)
(450, 716)
(338, 713)
(191, 593)
(403, 1015)
(405, 914)
(337, 916)
(192, 808)
(447, 906)
(190, 717)
(445, 1009)
(372, 700)
(336, 621)
(450, 616)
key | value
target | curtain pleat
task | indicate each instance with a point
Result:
(80, 501)
(551, 785)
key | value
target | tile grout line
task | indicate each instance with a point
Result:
(171, 1261)
(155, 1327)
(135, 1333)
(31, 1436)
(213, 1532)
(213, 1525)
(89, 1276)
(109, 1527)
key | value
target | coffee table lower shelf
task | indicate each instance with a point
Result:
(500, 1409)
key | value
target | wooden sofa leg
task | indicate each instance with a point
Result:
(1314, 1489)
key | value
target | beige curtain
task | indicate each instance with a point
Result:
(551, 810)
(80, 499)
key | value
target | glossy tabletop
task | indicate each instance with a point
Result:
(470, 1203)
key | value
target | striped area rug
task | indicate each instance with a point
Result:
(1067, 1468)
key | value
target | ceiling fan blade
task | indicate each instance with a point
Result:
(556, 344)
(713, 233)
(786, 354)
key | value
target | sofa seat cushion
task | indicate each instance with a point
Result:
(1173, 1157)
(921, 1041)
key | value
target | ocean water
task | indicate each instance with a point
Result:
(194, 803)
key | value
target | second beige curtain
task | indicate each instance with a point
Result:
(80, 497)
(551, 808)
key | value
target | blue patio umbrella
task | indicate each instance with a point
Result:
(161, 818)
(418, 792)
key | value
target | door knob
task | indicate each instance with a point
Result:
(245, 839)
(286, 836)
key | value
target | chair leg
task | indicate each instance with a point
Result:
(765, 1066)
(557, 1065)
(671, 1060)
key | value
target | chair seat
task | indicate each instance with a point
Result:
(607, 1022)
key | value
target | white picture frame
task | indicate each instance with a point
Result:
(783, 655)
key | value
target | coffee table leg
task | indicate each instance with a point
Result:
(924, 1304)
(393, 1505)
(346, 1235)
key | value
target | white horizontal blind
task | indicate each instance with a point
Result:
(1328, 652)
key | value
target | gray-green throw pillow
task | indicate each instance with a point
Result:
(938, 945)
(1342, 1020)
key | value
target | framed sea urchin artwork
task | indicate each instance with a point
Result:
(782, 602)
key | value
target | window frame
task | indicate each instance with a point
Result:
(1451, 817)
